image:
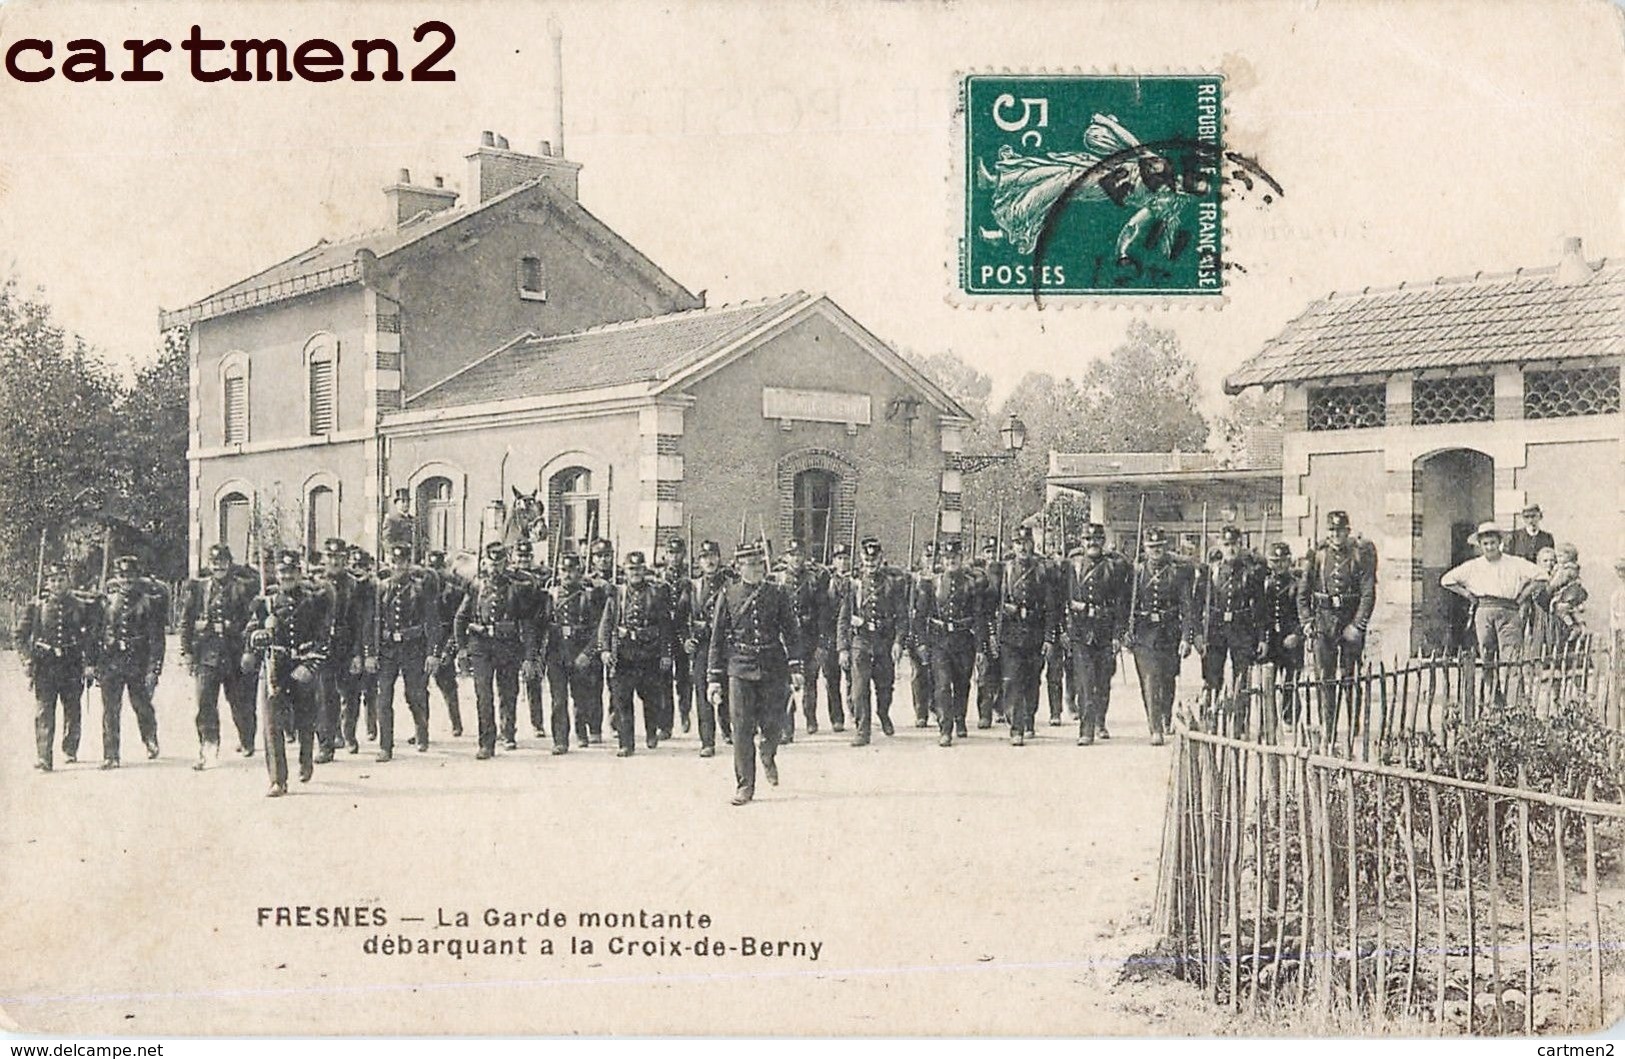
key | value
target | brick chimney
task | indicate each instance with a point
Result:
(407, 200)
(1572, 267)
(496, 168)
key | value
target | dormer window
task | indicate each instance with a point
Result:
(532, 283)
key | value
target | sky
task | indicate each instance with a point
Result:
(752, 149)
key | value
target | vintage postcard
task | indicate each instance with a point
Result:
(820, 518)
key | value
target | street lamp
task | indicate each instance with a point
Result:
(1014, 436)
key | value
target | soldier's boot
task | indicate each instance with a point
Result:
(277, 790)
(945, 739)
(208, 756)
(152, 749)
(743, 795)
(770, 769)
(385, 755)
(708, 750)
(1018, 736)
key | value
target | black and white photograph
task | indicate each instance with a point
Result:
(831, 519)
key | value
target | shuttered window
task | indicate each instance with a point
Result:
(236, 408)
(532, 284)
(322, 397)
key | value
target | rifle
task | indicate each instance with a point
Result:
(998, 551)
(1134, 575)
(742, 530)
(913, 557)
(761, 535)
(39, 567)
(1207, 588)
(829, 534)
(107, 553)
(1063, 526)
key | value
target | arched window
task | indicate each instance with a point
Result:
(321, 518)
(235, 516)
(321, 372)
(578, 506)
(435, 514)
(814, 506)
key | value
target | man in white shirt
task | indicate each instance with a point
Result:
(1497, 584)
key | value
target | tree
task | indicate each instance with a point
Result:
(1253, 421)
(57, 413)
(1142, 398)
(151, 457)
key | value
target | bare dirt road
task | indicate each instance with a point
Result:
(981, 889)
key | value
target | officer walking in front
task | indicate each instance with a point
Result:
(1162, 628)
(920, 669)
(951, 630)
(575, 675)
(213, 616)
(493, 625)
(755, 649)
(449, 598)
(345, 612)
(1232, 617)
(1025, 628)
(873, 612)
(405, 639)
(57, 643)
(289, 623)
(1094, 597)
(635, 643)
(358, 679)
(130, 656)
(700, 613)
(1336, 596)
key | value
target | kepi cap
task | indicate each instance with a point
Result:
(219, 551)
(1280, 550)
(710, 548)
(1337, 520)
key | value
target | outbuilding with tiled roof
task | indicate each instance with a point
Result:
(1427, 408)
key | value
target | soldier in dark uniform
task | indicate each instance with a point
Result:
(1058, 683)
(602, 570)
(130, 656)
(700, 613)
(290, 623)
(834, 586)
(1281, 642)
(358, 679)
(452, 590)
(920, 669)
(57, 644)
(1094, 596)
(950, 627)
(493, 625)
(1336, 596)
(635, 643)
(1162, 628)
(874, 611)
(679, 697)
(804, 585)
(405, 640)
(574, 674)
(399, 525)
(1024, 631)
(541, 605)
(989, 677)
(216, 609)
(755, 647)
(346, 611)
(1232, 617)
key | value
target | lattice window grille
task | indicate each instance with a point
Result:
(1456, 399)
(1571, 392)
(1348, 407)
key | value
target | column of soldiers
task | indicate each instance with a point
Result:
(303, 658)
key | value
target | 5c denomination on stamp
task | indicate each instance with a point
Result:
(1092, 184)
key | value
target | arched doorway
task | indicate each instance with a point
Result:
(235, 516)
(321, 518)
(812, 513)
(435, 510)
(1452, 491)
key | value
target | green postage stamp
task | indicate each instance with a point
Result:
(1092, 185)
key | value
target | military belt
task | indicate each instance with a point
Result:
(642, 634)
(949, 626)
(41, 646)
(407, 635)
(1334, 600)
